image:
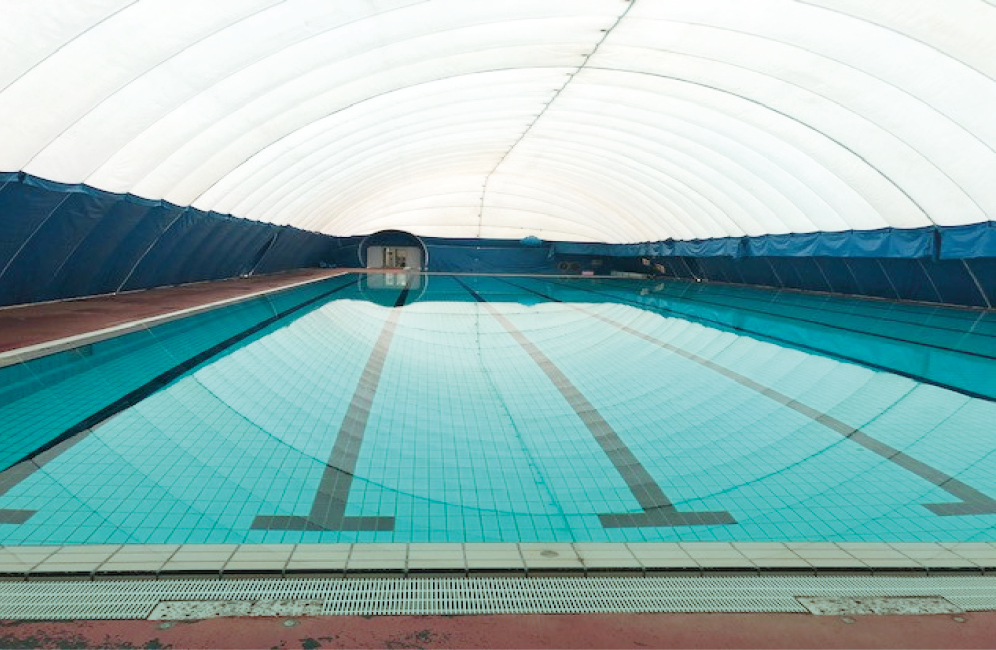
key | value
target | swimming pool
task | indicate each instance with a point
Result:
(484, 409)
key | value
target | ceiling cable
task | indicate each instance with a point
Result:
(556, 94)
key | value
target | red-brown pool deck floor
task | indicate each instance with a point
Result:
(33, 324)
(976, 630)
(25, 325)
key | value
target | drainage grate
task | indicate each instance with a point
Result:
(176, 599)
(183, 610)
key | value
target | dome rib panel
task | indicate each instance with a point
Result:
(591, 120)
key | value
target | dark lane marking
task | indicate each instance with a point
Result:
(658, 510)
(972, 501)
(778, 339)
(10, 516)
(827, 324)
(875, 311)
(27, 466)
(328, 512)
(22, 470)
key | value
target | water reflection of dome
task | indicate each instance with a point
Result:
(383, 288)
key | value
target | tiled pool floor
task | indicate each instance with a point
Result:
(884, 453)
(217, 561)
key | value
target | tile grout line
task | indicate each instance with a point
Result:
(330, 503)
(77, 432)
(970, 500)
(656, 508)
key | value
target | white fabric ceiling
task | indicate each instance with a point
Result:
(585, 120)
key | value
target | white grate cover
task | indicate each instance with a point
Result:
(474, 595)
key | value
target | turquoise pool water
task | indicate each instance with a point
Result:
(450, 409)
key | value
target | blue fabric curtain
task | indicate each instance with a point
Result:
(947, 242)
(63, 241)
(489, 256)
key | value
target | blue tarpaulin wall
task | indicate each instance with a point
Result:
(955, 265)
(63, 241)
(945, 242)
(489, 256)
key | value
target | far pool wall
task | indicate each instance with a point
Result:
(955, 266)
(469, 255)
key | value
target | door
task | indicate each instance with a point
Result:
(395, 258)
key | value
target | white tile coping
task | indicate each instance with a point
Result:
(27, 353)
(167, 560)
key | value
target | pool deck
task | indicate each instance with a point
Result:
(30, 328)
(971, 630)
(33, 330)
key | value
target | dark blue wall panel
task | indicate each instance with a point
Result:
(99, 263)
(154, 266)
(297, 248)
(63, 241)
(945, 281)
(489, 257)
(56, 237)
(238, 253)
(976, 240)
(982, 272)
(23, 210)
(954, 265)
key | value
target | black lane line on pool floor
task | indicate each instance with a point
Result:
(794, 344)
(34, 461)
(658, 510)
(972, 501)
(328, 511)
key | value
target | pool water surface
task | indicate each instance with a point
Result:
(483, 409)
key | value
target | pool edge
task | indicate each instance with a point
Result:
(38, 350)
(218, 561)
